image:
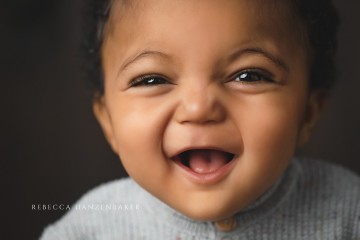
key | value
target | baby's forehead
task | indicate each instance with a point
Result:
(213, 29)
(279, 13)
(278, 8)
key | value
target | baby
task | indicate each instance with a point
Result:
(205, 102)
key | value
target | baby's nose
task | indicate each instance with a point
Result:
(200, 105)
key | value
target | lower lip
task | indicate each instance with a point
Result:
(207, 178)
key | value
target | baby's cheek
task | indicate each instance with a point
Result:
(138, 143)
(272, 133)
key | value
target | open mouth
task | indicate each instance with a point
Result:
(204, 161)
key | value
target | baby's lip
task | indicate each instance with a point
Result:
(190, 148)
(204, 160)
(204, 165)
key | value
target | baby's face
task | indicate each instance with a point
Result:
(205, 101)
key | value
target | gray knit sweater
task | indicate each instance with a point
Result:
(312, 200)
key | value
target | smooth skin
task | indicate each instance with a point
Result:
(230, 75)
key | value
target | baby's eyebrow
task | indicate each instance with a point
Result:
(258, 50)
(232, 57)
(140, 55)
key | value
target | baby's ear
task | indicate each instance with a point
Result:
(315, 105)
(102, 115)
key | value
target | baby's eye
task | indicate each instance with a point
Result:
(148, 80)
(252, 76)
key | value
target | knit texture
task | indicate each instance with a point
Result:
(312, 200)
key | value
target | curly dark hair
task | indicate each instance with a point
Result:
(318, 17)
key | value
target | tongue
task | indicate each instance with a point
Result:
(206, 161)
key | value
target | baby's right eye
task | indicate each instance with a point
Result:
(148, 81)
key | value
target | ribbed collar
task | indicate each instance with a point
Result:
(259, 209)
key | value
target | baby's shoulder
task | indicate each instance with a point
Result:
(325, 201)
(97, 210)
(328, 187)
(115, 191)
(325, 176)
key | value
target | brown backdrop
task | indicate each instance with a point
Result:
(53, 150)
